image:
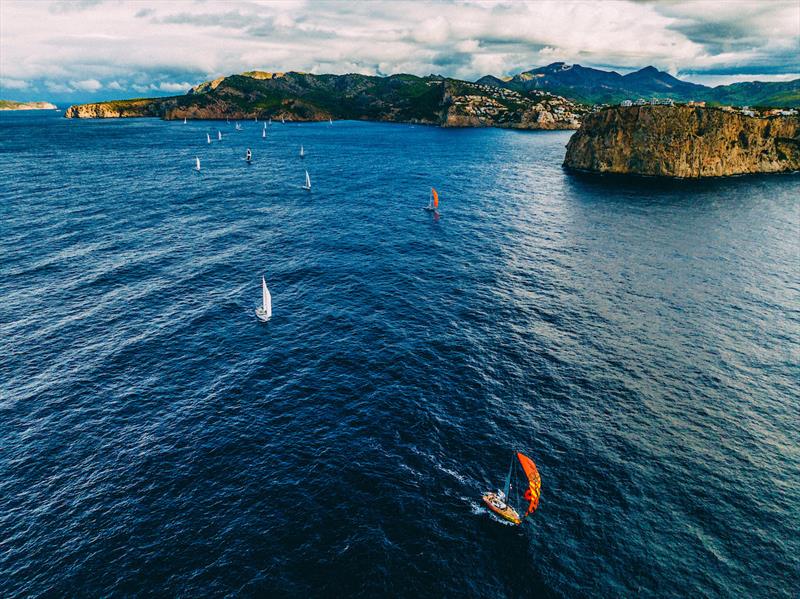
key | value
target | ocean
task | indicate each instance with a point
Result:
(639, 340)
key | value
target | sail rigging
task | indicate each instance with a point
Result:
(534, 490)
(266, 299)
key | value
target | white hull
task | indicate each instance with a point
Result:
(262, 315)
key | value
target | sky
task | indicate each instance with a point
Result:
(81, 50)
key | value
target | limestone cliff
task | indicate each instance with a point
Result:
(144, 107)
(12, 105)
(684, 142)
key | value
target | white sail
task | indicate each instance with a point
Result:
(208, 138)
(197, 163)
(308, 182)
(184, 120)
(282, 121)
(266, 299)
(263, 133)
(330, 120)
(219, 135)
(302, 153)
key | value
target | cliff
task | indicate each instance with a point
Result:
(12, 105)
(304, 97)
(140, 107)
(684, 142)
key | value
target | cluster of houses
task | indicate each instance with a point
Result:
(503, 104)
(745, 110)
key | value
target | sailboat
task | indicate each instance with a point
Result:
(264, 313)
(499, 502)
(302, 153)
(197, 164)
(184, 120)
(208, 138)
(238, 127)
(248, 156)
(270, 121)
(264, 133)
(307, 186)
(330, 121)
(283, 122)
(219, 135)
(433, 202)
(255, 119)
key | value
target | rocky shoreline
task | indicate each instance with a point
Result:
(683, 142)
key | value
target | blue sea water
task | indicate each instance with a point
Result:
(639, 340)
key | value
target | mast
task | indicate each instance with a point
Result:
(507, 487)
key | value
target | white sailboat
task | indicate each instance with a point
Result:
(283, 122)
(197, 164)
(302, 152)
(264, 313)
(238, 127)
(270, 120)
(330, 121)
(184, 120)
(208, 138)
(219, 135)
(248, 156)
(264, 133)
(307, 186)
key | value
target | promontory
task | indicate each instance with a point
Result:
(685, 142)
(13, 105)
(291, 96)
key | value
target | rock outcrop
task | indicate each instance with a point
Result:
(684, 142)
(145, 107)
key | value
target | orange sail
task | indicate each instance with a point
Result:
(435, 198)
(534, 482)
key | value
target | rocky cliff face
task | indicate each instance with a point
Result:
(120, 109)
(685, 142)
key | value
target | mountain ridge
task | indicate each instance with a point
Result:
(598, 86)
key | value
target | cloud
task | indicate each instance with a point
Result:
(155, 46)
(13, 83)
(58, 88)
(87, 85)
(166, 86)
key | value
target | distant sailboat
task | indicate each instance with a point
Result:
(219, 135)
(248, 156)
(208, 138)
(330, 121)
(264, 313)
(184, 120)
(255, 119)
(238, 127)
(197, 164)
(264, 133)
(302, 153)
(307, 186)
(283, 122)
(433, 203)
(270, 120)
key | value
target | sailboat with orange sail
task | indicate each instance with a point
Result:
(433, 202)
(500, 502)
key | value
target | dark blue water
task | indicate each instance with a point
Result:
(639, 341)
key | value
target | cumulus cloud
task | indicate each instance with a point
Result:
(157, 46)
(87, 85)
(13, 83)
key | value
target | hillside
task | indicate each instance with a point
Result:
(12, 105)
(684, 142)
(398, 98)
(596, 86)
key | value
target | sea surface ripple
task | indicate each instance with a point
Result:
(639, 340)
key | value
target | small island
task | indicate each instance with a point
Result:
(688, 141)
(12, 105)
